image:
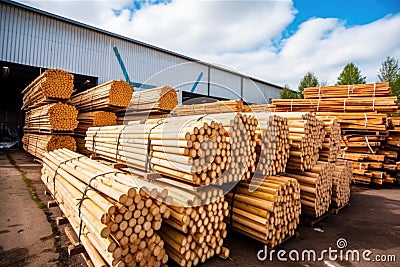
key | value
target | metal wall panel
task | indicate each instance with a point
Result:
(31, 38)
(225, 84)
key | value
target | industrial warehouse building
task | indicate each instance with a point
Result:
(33, 40)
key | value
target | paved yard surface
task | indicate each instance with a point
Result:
(29, 235)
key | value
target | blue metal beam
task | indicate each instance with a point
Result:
(125, 73)
(197, 82)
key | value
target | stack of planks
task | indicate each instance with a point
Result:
(385, 105)
(267, 210)
(52, 85)
(50, 118)
(348, 91)
(363, 134)
(194, 234)
(115, 220)
(195, 150)
(393, 145)
(227, 106)
(110, 96)
(47, 113)
(315, 188)
(272, 144)
(149, 104)
(306, 136)
(38, 144)
(341, 180)
(91, 119)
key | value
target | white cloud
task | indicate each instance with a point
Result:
(241, 34)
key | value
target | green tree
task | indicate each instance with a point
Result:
(309, 80)
(390, 72)
(350, 75)
(287, 93)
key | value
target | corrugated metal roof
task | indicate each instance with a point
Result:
(79, 24)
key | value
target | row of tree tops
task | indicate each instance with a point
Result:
(351, 74)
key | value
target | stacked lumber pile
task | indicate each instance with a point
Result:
(150, 104)
(194, 234)
(267, 210)
(53, 85)
(272, 141)
(48, 113)
(115, 220)
(38, 144)
(348, 91)
(261, 108)
(361, 110)
(315, 188)
(363, 135)
(57, 117)
(110, 96)
(182, 148)
(331, 144)
(241, 132)
(227, 106)
(386, 105)
(392, 148)
(91, 119)
(306, 136)
(341, 180)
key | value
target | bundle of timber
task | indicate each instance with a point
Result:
(227, 106)
(306, 136)
(191, 149)
(362, 137)
(315, 188)
(241, 132)
(386, 105)
(150, 104)
(393, 145)
(341, 180)
(194, 234)
(261, 108)
(114, 218)
(52, 85)
(38, 144)
(91, 119)
(348, 91)
(110, 96)
(272, 141)
(331, 144)
(57, 117)
(267, 210)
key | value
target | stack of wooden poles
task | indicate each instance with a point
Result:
(115, 219)
(110, 96)
(194, 234)
(38, 144)
(91, 119)
(51, 86)
(341, 180)
(227, 106)
(267, 209)
(97, 107)
(306, 135)
(150, 104)
(273, 146)
(48, 114)
(331, 144)
(195, 150)
(315, 188)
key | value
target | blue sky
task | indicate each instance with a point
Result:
(353, 12)
(276, 41)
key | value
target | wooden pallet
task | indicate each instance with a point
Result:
(335, 211)
(312, 221)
